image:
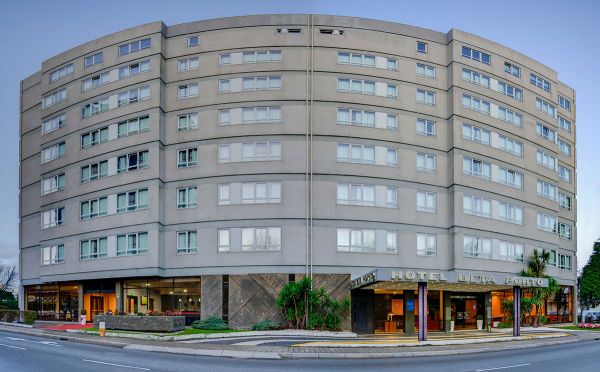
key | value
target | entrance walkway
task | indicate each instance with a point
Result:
(60, 326)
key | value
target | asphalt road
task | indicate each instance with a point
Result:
(27, 353)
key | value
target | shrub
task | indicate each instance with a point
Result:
(30, 317)
(505, 325)
(479, 317)
(211, 323)
(265, 325)
(83, 312)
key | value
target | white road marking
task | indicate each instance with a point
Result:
(505, 367)
(14, 347)
(49, 343)
(116, 365)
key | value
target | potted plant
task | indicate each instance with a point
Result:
(452, 324)
(83, 317)
(480, 322)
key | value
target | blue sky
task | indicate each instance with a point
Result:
(562, 35)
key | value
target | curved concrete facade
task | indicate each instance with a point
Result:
(345, 124)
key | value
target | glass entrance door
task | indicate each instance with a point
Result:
(465, 308)
(97, 305)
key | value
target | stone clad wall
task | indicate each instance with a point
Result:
(211, 297)
(141, 323)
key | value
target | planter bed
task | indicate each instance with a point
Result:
(141, 323)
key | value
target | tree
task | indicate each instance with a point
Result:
(589, 280)
(8, 277)
(536, 267)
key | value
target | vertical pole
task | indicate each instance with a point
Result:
(487, 319)
(516, 311)
(409, 312)
(447, 311)
(422, 311)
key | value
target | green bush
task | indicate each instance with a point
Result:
(211, 323)
(16, 315)
(30, 317)
(479, 317)
(265, 325)
(505, 325)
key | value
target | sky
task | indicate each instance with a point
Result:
(562, 35)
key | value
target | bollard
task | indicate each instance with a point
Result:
(102, 327)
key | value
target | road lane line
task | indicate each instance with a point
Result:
(505, 367)
(49, 343)
(14, 347)
(116, 365)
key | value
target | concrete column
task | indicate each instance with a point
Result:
(447, 311)
(79, 298)
(409, 312)
(422, 311)
(516, 311)
(487, 319)
(119, 296)
(574, 304)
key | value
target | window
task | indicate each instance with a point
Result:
(53, 255)
(187, 91)
(391, 245)
(553, 261)
(132, 244)
(193, 41)
(133, 126)
(564, 201)
(134, 47)
(224, 117)
(356, 194)
(261, 192)
(357, 86)
(546, 222)
(545, 107)
(94, 138)
(545, 132)
(260, 56)
(187, 158)
(421, 47)
(510, 91)
(134, 69)
(510, 116)
(511, 178)
(133, 161)
(53, 217)
(224, 59)
(511, 213)
(426, 245)
(565, 231)
(356, 240)
(54, 123)
(261, 83)
(53, 152)
(476, 134)
(187, 122)
(187, 197)
(132, 200)
(261, 151)
(356, 59)
(54, 98)
(53, 184)
(134, 95)
(478, 247)
(93, 248)
(546, 190)
(546, 160)
(329, 31)
(391, 159)
(391, 199)
(510, 251)
(224, 86)
(94, 171)
(425, 70)
(425, 127)
(392, 122)
(564, 103)
(94, 108)
(94, 59)
(224, 153)
(511, 146)
(476, 104)
(476, 55)
(564, 173)
(224, 194)
(359, 118)
(187, 242)
(425, 162)
(426, 201)
(62, 72)
(512, 69)
(392, 64)
(261, 239)
(252, 115)
(476, 78)
(539, 82)
(477, 168)
(564, 124)
(94, 208)
(564, 261)
(426, 97)
(188, 64)
(354, 153)
(95, 81)
(223, 240)
(477, 206)
(392, 91)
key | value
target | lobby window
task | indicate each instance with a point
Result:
(359, 118)
(513, 69)
(93, 59)
(564, 261)
(61, 73)
(133, 161)
(54, 98)
(356, 194)
(546, 190)
(425, 162)
(510, 251)
(545, 132)
(95, 81)
(426, 97)
(261, 151)
(425, 127)
(357, 59)
(132, 244)
(53, 184)
(546, 160)
(564, 103)
(565, 231)
(511, 213)
(53, 124)
(188, 64)
(224, 244)
(476, 55)
(134, 47)
(476, 104)
(564, 173)
(261, 83)
(476, 78)
(187, 158)
(260, 115)
(510, 91)
(261, 56)
(261, 192)
(564, 201)
(545, 107)
(93, 248)
(511, 146)
(422, 47)
(477, 206)
(134, 69)
(477, 168)
(511, 178)
(94, 108)
(425, 70)
(546, 222)
(132, 200)
(53, 152)
(193, 41)
(94, 208)
(94, 171)
(356, 240)
(354, 153)
(539, 82)
(187, 242)
(94, 138)
(134, 95)
(187, 197)
(510, 116)
(54, 254)
(356, 86)
(426, 201)
(478, 247)
(133, 126)
(426, 244)
(255, 239)
(53, 217)
(187, 122)
(187, 91)
(564, 124)
(476, 134)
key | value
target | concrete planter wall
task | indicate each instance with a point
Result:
(141, 323)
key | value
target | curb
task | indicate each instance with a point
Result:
(65, 337)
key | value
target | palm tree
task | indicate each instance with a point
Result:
(536, 267)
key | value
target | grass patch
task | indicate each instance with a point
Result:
(575, 328)
(187, 331)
